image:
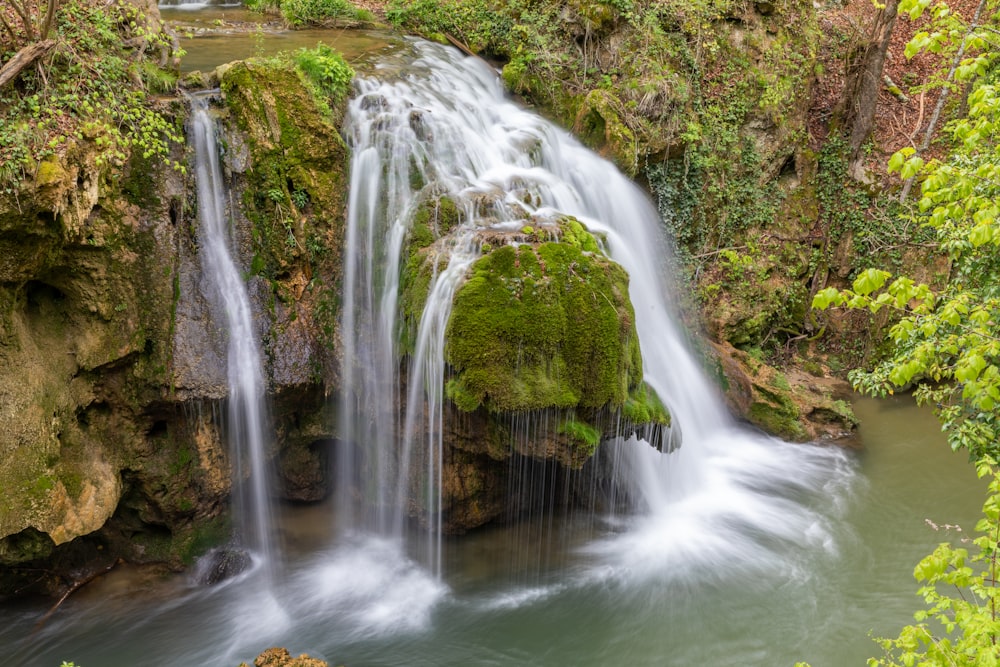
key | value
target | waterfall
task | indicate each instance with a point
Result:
(226, 291)
(444, 126)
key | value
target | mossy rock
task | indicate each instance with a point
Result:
(794, 406)
(297, 167)
(542, 326)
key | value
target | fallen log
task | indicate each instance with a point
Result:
(24, 58)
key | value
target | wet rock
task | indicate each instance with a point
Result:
(219, 565)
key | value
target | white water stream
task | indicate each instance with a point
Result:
(226, 290)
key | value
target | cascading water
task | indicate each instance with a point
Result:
(727, 495)
(225, 289)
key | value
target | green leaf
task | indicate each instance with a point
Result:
(870, 280)
(896, 161)
(827, 297)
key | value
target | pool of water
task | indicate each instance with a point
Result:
(543, 592)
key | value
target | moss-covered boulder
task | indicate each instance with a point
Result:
(542, 326)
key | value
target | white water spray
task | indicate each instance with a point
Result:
(225, 289)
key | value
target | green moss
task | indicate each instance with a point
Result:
(776, 413)
(421, 235)
(457, 394)
(296, 185)
(575, 234)
(643, 406)
(50, 172)
(544, 326)
(414, 288)
(583, 435)
(599, 123)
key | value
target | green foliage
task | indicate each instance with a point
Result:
(327, 69)
(482, 24)
(303, 13)
(88, 91)
(959, 625)
(318, 12)
(946, 343)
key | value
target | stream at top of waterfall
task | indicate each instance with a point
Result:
(512, 597)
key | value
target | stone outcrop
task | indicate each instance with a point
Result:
(112, 370)
(795, 406)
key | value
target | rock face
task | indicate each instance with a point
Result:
(111, 367)
(85, 353)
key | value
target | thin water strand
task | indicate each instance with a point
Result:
(227, 292)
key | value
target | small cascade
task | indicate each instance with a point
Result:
(226, 291)
(444, 127)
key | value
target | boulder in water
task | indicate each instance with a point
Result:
(221, 564)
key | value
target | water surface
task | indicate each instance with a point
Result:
(510, 598)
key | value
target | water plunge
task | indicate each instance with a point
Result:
(730, 528)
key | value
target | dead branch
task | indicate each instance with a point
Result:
(24, 58)
(77, 585)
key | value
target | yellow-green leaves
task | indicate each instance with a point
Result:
(870, 280)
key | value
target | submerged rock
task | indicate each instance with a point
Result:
(218, 565)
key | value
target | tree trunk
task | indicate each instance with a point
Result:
(864, 81)
(24, 58)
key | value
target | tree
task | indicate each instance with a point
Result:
(34, 20)
(864, 80)
(947, 344)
